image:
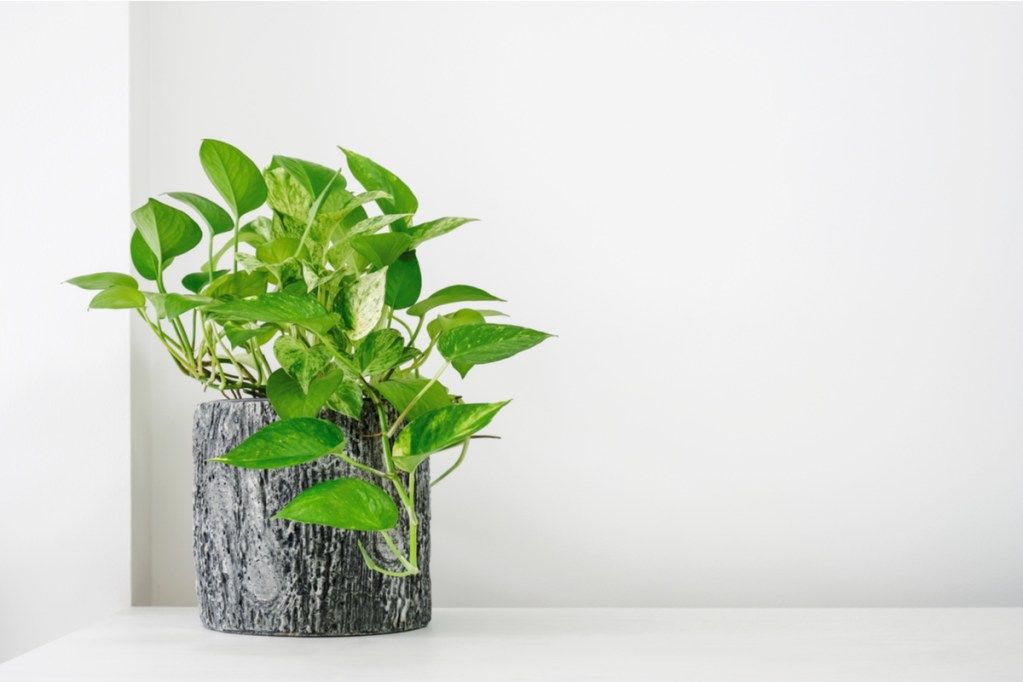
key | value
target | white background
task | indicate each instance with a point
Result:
(780, 245)
(64, 400)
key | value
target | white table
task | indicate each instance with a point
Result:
(491, 645)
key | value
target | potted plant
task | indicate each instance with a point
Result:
(312, 483)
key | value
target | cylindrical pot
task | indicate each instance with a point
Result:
(255, 575)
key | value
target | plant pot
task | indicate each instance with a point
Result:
(255, 575)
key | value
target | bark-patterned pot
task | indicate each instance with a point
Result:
(260, 576)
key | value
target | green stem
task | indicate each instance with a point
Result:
(211, 344)
(385, 441)
(181, 362)
(413, 523)
(220, 254)
(360, 465)
(461, 458)
(423, 357)
(242, 369)
(408, 408)
(407, 563)
(209, 263)
(237, 224)
(419, 326)
(402, 323)
(373, 565)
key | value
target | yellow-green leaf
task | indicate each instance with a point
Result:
(345, 503)
(285, 443)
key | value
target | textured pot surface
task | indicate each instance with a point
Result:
(260, 576)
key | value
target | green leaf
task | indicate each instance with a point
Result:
(439, 430)
(175, 305)
(118, 296)
(400, 392)
(364, 303)
(103, 280)
(217, 219)
(239, 335)
(284, 444)
(480, 344)
(404, 281)
(380, 351)
(347, 399)
(277, 307)
(257, 231)
(459, 318)
(367, 226)
(286, 195)
(277, 251)
(234, 175)
(300, 361)
(195, 281)
(240, 284)
(167, 231)
(345, 503)
(291, 401)
(312, 176)
(373, 176)
(143, 258)
(342, 210)
(381, 249)
(459, 293)
(436, 228)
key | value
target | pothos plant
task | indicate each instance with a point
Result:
(318, 306)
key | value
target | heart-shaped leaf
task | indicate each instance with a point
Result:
(348, 398)
(380, 250)
(459, 318)
(167, 231)
(400, 392)
(278, 307)
(292, 401)
(373, 176)
(239, 335)
(234, 175)
(439, 430)
(117, 297)
(300, 361)
(143, 258)
(367, 226)
(364, 303)
(239, 284)
(195, 281)
(102, 280)
(479, 344)
(404, 281)
(459, 293)
(313, 177)
(285, 443)
(278, 250)
(436, 228)
(345, 503)
(217, 219)
(286, 195)
(380, 351)
(175, 305)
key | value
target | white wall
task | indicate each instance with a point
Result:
(64, 528)
(781, 245)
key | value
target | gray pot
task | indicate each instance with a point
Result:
(260, 576)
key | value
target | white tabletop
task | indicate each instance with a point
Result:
(487, 645)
